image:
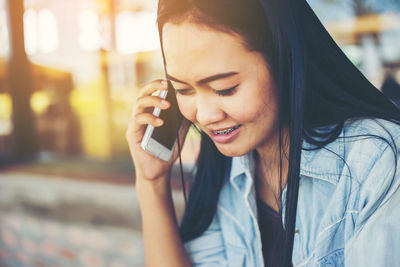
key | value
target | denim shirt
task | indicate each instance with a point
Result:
(348, 211)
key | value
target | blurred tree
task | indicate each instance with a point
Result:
(20, 85)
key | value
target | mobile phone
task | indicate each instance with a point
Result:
(160, 141)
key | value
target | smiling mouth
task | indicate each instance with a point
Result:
(227, 131)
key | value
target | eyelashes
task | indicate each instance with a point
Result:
(183, 91)
(225, 92)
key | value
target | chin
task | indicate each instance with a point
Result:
(232, 151)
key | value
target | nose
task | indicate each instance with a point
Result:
(208, 110)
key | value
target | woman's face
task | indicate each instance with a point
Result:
(222, 87)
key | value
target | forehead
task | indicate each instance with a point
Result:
(193, 50)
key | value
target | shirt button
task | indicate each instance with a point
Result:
(297, 231)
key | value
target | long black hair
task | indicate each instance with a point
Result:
(317, 86)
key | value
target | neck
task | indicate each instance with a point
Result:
(270, 153)
(270, 177)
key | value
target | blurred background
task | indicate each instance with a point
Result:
(69, 73)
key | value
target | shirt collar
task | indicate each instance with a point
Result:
(242, 171)
(324, 164)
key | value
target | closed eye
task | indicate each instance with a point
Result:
(183, 91)
(226, 92)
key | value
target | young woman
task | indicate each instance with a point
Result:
(298, 159)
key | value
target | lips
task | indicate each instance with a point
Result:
(226, 131)
(225, 136)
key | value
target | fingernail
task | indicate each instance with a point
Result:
(159, 121)
(164, 102)
(164, 82)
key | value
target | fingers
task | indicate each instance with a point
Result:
(142, 115)
(154, 86)
(137, 125)
(138, 122)
(147, 118)
(145, 102)
(141, 112)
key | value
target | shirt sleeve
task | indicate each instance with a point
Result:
(208, 250)
(376, 241)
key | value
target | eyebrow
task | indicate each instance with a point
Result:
(205, 80)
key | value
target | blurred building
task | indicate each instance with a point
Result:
(367, 31)
(90, 57)
(56, 123)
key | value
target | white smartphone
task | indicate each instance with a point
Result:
(160, 141)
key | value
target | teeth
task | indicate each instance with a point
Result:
(226, 131)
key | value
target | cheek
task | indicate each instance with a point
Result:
(255, 101)
(251, 108)
(248, 113)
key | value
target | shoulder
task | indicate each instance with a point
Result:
(380, 132)
(352, 185)
(370, 147)
(359, 147)
(373, 160)
(362, 161)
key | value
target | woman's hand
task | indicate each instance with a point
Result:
(161, 239)
(147, 166)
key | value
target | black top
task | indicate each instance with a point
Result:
(271, 231)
